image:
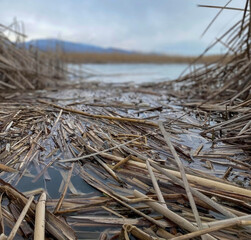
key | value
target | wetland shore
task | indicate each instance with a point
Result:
(93, 160)
(92, 146)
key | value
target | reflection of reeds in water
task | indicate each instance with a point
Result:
(26, 69)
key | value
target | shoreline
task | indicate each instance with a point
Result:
(112, 58)
(128, 159)
(89, 144)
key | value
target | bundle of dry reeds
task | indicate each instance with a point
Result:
(121, 150)
(22, 69)
(223, 90)
(125, 162)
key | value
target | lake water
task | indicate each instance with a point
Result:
(138, 73)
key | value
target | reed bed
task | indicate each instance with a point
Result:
(81, 58)
(121, 161)
(23, 69)
(151, 175)
(222, 91)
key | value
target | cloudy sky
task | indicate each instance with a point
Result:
(163, 26)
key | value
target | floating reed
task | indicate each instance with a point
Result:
(122, 161)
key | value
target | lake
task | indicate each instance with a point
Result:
(138, 73)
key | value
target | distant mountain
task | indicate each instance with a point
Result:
(66, 46)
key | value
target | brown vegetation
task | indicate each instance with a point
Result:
(27, 69)
(129, 143)
(132, 58)
(223, 90)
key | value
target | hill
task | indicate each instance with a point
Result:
(66, 46)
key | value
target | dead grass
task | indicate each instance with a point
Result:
(23, 69)
(132, 58)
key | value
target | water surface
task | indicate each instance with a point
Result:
(138, 73)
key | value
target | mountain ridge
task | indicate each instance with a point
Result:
(52, 44)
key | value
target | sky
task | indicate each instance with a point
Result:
(152, 26)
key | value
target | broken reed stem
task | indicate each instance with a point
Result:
(221, 7)
(55, 226)
(100, 152)
(213, 229)
(155, 185)
(104, 165)
(58, 206)
(116, 166)
(44, 169)
(138, 233)
(20, 219)
(117, 197)
(180, 221)
(244, 128)
(34, 192)
(1, 215)
(39, 231)
(231, 220)
(3, 237)
(164, 234)
(6, 168)
(183, 175)
(150, 219)
(191, 178)
(109, 170)
(122, 119)
(195, 192)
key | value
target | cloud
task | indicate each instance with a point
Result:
(143, 25)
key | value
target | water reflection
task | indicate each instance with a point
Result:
(138, 73)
